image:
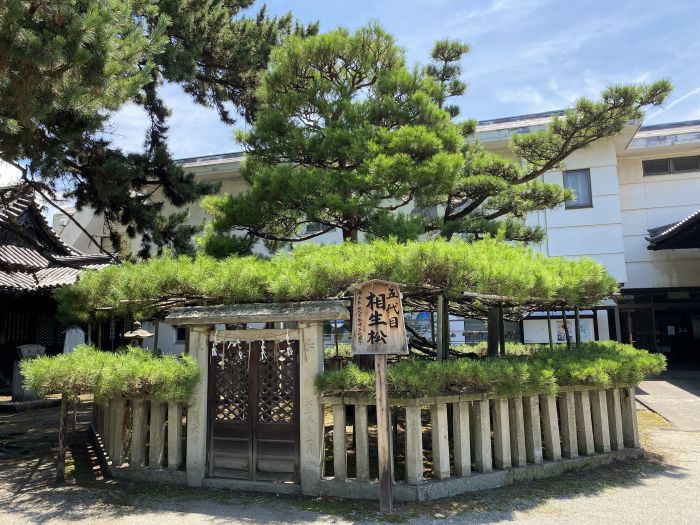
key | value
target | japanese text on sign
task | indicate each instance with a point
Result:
(378, 324)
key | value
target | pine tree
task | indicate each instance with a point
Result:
(348, 137)
(67, 65)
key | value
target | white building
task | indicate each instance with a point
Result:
(637, 212)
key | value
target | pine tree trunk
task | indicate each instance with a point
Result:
(350, 235)
(566, 327)
(61, 458)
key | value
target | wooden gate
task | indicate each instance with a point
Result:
(254, 411)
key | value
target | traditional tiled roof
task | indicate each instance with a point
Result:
(678, 235)
(32, 256)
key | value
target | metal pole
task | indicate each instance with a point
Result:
(577, 325)
(549, 329)
(618, 325)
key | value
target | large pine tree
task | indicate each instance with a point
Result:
(67, 65)
(347, 137)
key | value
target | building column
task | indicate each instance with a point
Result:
(197, 409)
(310, 408)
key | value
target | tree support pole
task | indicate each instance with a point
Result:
(577, 325)
(492, 337)
(443, 333)
(501, 331)
(61, 458)
(549, 329)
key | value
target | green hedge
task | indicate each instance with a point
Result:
(128, 372)
(537, 370)
(311, 271)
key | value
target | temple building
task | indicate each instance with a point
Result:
(33, 262)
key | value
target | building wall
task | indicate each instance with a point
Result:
(652, 201)
(594, 232)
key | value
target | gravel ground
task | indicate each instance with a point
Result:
(661, 487)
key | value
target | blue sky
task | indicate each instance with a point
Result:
(527, 56)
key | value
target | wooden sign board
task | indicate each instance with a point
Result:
(377, 322)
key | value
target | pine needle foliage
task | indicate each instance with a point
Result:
(313, 272)
(129, 372)
(603, 364)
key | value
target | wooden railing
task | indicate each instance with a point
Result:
(141, 433)
(488, 433)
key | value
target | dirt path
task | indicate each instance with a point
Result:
(662, 487)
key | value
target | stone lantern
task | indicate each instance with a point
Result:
(137, 334)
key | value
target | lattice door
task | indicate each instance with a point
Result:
(254, 432)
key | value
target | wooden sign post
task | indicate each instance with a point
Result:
(378, 329)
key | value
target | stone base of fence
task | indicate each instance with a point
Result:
(431, 489)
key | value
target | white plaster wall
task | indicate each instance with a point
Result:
(167, 338)
(652, 201)
(588, 232)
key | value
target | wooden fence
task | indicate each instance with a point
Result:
(487, 434)
(141, 433)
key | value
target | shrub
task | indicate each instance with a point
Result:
(129, 372)
(536, 370)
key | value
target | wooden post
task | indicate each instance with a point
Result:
(567, 418)
(440, 443)
(107, 427)
(550, 428)
(174, 435)
(383, 435)
(615, 419)
(460, 433)
(501, 332)
(501, 434)
(117, 445)
(61, 457)
(138, 434)
(517, 432)
(599, 412)
(414, 445)
(596, 329)
(577, 326)
(361, 443)
(492, 337)
(549, 330)
(629, 417)
(156, 448)
(340, 457)
(156, 333)
(443, 332)
(533, 429)
(481, 425)
(584, 423)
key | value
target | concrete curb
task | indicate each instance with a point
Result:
(436, 489)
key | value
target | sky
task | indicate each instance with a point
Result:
(526, 56)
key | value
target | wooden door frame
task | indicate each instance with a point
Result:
(253, 403)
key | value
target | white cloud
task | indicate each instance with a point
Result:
(527, 97)
(680, 100)
(194, 130)
(495, 7)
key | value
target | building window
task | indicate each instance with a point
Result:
(180, 334)
(671, 165)
(313, 227)
(580, 182)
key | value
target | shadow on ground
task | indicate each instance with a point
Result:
(29, 493)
